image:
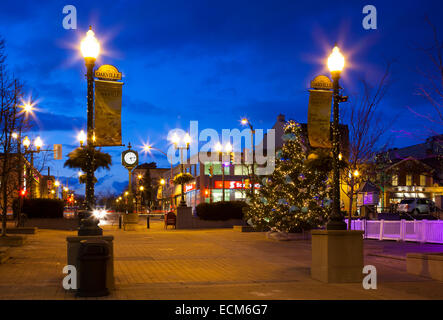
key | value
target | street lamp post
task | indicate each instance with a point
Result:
(90, 49)
(27, 144)
(246, 121)
(336, 63)
(228, 150)
(187, 141)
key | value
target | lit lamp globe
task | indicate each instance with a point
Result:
(336, 62)
(26, 142)
(175, 139)
(228, 147)
(81, 137)
(90, 47)
(27, 108)
(187, 140)
(218, 147)
(38, 143)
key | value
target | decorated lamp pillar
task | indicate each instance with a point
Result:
(336, 63)
(90, 49)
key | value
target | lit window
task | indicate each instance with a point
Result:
(395, 180)
(422, 180)
(409, 179)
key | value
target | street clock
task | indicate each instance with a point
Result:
(129, 158)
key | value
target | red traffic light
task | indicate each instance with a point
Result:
(23, 193)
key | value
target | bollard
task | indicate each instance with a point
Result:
(119, 221)
(147, 221)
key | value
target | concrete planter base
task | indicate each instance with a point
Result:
(337, 256)
(12, 241)
(425, 264)
(73, 246)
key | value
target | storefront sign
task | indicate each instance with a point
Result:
(234, 185)
(189, 187)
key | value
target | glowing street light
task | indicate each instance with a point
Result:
(38, 143)
(162, 182)
(356, 173)
(90, 47)
(218, 147)
(245, 122)
(176, 140)
(81, 137)
(336, 61)
(26, 142)
(28, 108)
(187, 139)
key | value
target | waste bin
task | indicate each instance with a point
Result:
(92, 258)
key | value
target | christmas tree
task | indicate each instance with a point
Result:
(294, 197)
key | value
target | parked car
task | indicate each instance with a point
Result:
(416, 206)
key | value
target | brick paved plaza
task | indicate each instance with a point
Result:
(209, 264)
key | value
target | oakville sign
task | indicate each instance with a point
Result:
(108, 72)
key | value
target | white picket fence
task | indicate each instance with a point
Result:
(430, 231)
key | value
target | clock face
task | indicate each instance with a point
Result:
(130, 158)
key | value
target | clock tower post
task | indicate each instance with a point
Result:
(130, 161)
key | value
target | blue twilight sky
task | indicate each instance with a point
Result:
(212, 61)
